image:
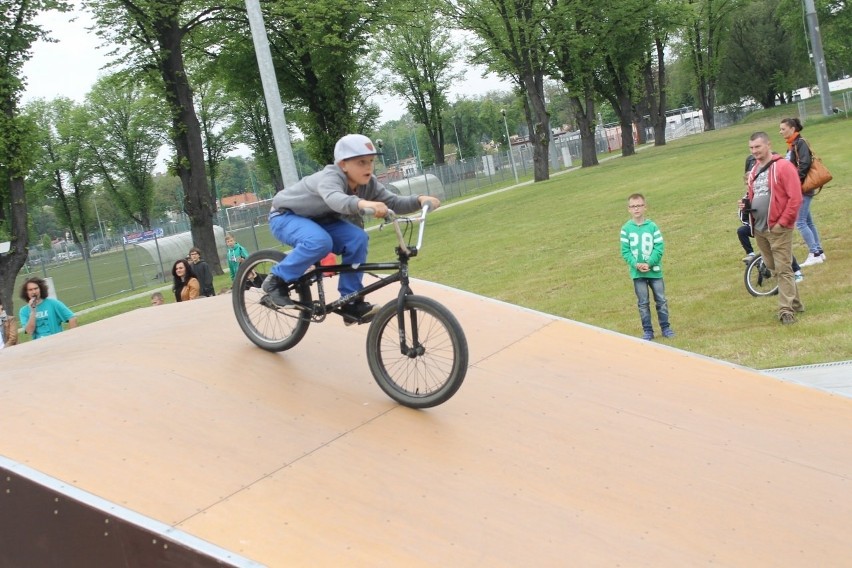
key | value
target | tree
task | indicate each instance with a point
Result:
(512, 43)
(168, 194)
(464, 119)
(759, 62)
(61, 170)
(319, 50)
(704, 35)
(835, 23)
(153, 33)
(421, 53)
(679, 83)
(234, 177)
(218, 130)
(126, 134)
(254, 130)
(18, 33)
(574, 39)
(665, 17)
(625, 40)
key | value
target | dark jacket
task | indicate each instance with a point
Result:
(205, 278)
(800, 156)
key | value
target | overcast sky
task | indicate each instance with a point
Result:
(72, 65)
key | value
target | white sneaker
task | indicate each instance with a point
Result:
(798, 277)
(822, 256)
(747, 258)
(812, 259)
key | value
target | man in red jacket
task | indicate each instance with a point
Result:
(775, 193)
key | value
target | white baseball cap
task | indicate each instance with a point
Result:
(352, 146)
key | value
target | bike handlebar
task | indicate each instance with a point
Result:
(392, 218)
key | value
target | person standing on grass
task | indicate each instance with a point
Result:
(642, 248)
(43, 316)
(236, 254)
(775, 194)
(799, 153)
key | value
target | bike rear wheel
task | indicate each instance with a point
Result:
(434, 362)
(759, 281)
(264, 324)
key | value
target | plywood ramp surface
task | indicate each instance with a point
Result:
(566, 446)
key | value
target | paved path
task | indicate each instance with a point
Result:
(830, 377)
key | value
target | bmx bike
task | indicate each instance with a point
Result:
(416, 349)
(759, 280)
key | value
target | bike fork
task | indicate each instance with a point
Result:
(415, 349)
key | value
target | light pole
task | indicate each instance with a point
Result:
(818, 57)
(458, 144)
(98, 216)
(509, 142)
(277, 122)
(412, 133)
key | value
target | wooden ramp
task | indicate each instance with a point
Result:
(566, 446)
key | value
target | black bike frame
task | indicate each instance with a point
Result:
(400, 267)
(317, 274)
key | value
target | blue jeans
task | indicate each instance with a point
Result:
(656, 285)
(311, 241)
(805, 224)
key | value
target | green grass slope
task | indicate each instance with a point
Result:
(554, 247)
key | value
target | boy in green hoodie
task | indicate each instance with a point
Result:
(642, 248)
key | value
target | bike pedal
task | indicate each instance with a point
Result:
(267, 302)
(352, 320)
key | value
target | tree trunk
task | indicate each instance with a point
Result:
(435, 131)
(186, 136)
(624, 108)
(12, 262)
(540, 134)
(584, 112)
(620, 99)
(707, 100)
(641, 111)
(659, 110)
(700, 65)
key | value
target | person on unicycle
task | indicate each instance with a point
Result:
(312, 216)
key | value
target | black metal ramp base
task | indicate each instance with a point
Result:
(47, 523)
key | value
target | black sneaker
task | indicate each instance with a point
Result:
(358, 312)
(277, 291)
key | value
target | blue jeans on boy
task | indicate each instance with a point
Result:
(805, 224)
(658, 288)
(312, 240)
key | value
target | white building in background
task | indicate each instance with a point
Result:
(808, 92)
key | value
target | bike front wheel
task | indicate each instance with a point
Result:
(261, 320)
(759, 281)
(430, 367)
